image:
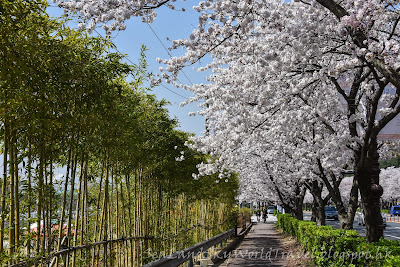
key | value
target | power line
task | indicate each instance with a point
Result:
(173, 91)
(127, 58)
(168, 52)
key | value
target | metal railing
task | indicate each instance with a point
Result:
(175, 259)
(188, 254)
(48, 258)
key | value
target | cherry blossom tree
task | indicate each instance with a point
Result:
(353, 46)
(391, 184)
(285, 52)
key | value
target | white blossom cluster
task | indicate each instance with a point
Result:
(390, 178)
(292, 83)
(112, 14)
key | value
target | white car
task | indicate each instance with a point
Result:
(270, 209)
(254, 219)
(361, 221)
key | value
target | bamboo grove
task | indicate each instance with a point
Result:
(67, 107)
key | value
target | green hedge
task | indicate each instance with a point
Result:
(385, 211)
(332, 247)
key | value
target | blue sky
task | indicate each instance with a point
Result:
(172, 24)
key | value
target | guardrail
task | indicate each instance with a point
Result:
(224, 253)
(62, 252)
(174, 259)
(188, 254)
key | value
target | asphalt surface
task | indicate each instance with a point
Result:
(392, 230)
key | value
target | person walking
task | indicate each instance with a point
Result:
(265, 215)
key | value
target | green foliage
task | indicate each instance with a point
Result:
(395, 162)
(246, 212)
(65, 100)
(385, 211)
(331, 247)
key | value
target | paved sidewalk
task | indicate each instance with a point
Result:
(261, 247)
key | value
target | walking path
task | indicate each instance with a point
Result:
(261, 247)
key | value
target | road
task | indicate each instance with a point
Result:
(392, 230)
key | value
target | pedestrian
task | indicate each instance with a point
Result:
(265, 216)
(258, 213)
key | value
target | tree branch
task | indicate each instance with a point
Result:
(156, 6)
(394, 28)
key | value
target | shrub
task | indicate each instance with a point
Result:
(331, 247)
(245, 211)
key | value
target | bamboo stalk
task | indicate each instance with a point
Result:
(97, 214)
(109, 226)
(124, 223)
(11, 232)
(45, 214)
(39, 244)
(83, 203)
(64, 204)
(16, 194)
(28, 245)
(117, 230)
(78, 198)
(70, 209)
(138, 216)
(4, 188)
(105, 211)
(48, 201)
(130, 218)
(110, 219)
(86, 217)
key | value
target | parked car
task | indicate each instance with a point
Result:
(331, 213)
(361, 221)
(360, 218)
(384, 219)
(395, 210)
(254, 219)
(270, 209)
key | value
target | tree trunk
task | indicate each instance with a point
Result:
(347, 219)
(314, 211)
(297, 210)
(371, 191)
(318, 203)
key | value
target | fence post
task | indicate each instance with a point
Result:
(236, 223)
(205, 254)
(190, 263)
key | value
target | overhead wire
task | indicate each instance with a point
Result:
(166, 49)
(130, 61)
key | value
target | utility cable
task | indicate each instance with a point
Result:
(130, 61)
